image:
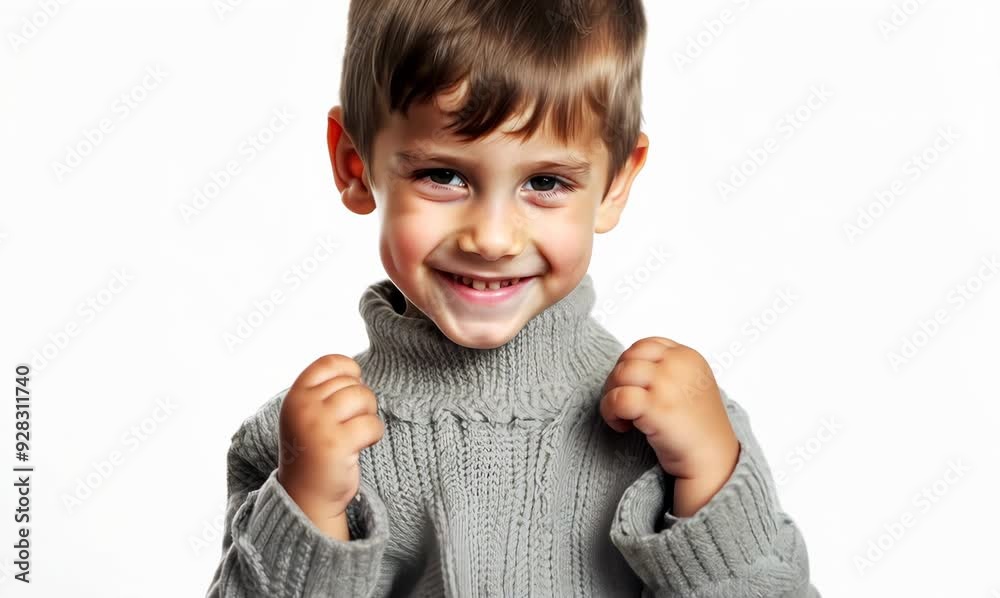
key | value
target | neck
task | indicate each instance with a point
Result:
(418, 373)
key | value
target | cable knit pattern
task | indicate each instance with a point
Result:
(496, 476)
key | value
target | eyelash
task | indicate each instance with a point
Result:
(566, 186)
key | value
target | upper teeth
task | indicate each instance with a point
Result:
(481, 285)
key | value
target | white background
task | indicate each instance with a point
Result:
(855, 438)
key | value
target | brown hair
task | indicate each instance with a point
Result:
(565, 59)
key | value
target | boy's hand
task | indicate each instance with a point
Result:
(326, 418)
(668, 392)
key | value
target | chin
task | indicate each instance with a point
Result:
(472, 340)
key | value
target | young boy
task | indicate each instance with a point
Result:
(494, 439)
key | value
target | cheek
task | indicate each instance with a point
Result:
(567, 241)
(408, 234)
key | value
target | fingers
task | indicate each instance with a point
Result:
(652, 348)
(327, 367)
(631, 372)
(624, 403)
(353, 400)
(627, 389)
(362, 431)
(326, 389)
(609, 412)
(666, 342)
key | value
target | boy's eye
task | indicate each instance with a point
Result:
(441, 176)
(546, 186)
(547, 183)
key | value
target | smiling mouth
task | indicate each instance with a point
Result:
(483, 285)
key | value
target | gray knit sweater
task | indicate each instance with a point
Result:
(496, 476)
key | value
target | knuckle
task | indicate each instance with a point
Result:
(335, 362)
(378, 428)
(627, 368)
(619, 398)
(372, 430)
(690, 353)
(669, 343)
(339, 384)
(353, 391)
(321, 369)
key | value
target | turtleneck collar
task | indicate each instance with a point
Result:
(418, 373)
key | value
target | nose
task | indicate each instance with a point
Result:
(494, 229)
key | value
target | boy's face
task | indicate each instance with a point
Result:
(492, 209)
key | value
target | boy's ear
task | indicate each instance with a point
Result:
(348, 168)
(614, 200)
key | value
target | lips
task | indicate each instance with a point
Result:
(482, 284)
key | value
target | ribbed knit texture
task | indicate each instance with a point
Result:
(496, 476)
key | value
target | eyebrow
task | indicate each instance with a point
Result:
(580, 168)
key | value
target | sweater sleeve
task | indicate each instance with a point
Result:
(739, 544)
(271, 548)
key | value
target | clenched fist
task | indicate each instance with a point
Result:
(326, 418)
